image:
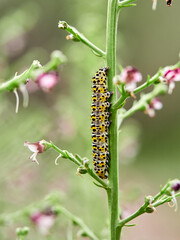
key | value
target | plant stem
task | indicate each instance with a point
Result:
(113, 191)
(79, 162)
(57, 58)
(77, 36)
(125, 3)
(19, 79)
(149, 205)
(139, 212)
(149, 82)
(142, 103)
(79, 222)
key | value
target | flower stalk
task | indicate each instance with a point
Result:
(77, 36)
(145, 99)
(113, 191)
(80, 162)
(165, 195)
(78, 221)
(57, 58)
(149, 82)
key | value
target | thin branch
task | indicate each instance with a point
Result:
(53, 200)
(139, 212)
(77, 36)
(149, 82)
(164, 200)
(78, 221)
(57, 58)
(145, 99)
(80, 162)
(166, 194)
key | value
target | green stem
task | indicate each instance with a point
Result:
(125, 3)
(57, 58)
(166, 199)
(79, 162)
(19, 79)
(113, 191)
(139, 212)
(145, 99)
(77, 36)
(149, 82)
(162, 191)
(79, 222)
(146, 206)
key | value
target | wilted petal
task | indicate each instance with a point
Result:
(36, 148)
(33, 158)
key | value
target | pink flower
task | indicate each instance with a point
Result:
(47, 81)
(129, 76)
(155, 104)
(44, 221)
(170, 77)
(36, 148)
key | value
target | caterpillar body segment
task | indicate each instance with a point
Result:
(102, 97)
(100, 122)
(100, 128)
(103, 107)
(99, 138)
(99, 117)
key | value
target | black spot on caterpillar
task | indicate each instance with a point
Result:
(100, 123)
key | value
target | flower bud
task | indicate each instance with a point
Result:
(150, 209)
(82, 170)
(175, 185)
(22, 231)
(149, 199)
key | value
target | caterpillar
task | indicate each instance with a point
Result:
(100, 123)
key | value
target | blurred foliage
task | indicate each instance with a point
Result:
(147, 40)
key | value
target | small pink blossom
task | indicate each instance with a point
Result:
(155, 104)
(36, 148)
(170, 77)
(44, 221)
(130, 76)
(46, 81)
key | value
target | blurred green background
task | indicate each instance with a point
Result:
(147, 40)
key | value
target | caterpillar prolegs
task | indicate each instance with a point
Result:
(100, 123)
